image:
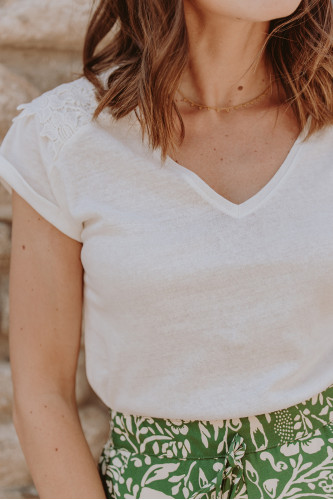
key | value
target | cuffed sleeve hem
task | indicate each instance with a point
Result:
(11, 179)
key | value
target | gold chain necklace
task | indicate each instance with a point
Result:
(228, 108)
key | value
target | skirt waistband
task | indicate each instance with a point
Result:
(184, 439)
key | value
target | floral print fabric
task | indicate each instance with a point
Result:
(284, 454)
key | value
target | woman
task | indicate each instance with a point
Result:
(186, 208)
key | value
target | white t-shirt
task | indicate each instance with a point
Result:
(194, 307)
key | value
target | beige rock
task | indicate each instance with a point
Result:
(24, 492)
(5, 238)
(14, 90)
(44, 24)
(6, 390)
(5, 211)
(4, 304)
(5, 205)
(46, 68)
(4, 350)
(95, 424)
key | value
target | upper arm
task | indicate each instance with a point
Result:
(46, 283)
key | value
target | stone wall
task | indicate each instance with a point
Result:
(40, 47)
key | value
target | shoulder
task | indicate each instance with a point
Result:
(60, 112)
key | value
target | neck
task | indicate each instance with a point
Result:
(226, 60)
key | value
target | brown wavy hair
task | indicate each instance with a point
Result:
(146, 42)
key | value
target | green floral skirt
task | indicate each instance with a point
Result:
(284, 454)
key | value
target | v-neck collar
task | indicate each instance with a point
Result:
(252, 203)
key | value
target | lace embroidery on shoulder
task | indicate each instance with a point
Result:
(62, 111)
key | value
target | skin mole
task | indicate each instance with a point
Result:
(23, 247)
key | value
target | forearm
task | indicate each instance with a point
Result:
(57, 453)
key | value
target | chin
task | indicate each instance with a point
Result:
(246, 10)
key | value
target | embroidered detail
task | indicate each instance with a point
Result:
(61, 112)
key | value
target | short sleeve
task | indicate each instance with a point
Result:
(26, 165)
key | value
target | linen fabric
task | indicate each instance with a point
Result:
(283, 454)
(194, 307)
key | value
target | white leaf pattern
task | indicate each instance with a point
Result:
(295, 463)
(270, 486)
(158, 472)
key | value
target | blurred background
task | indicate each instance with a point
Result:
(40, 47)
